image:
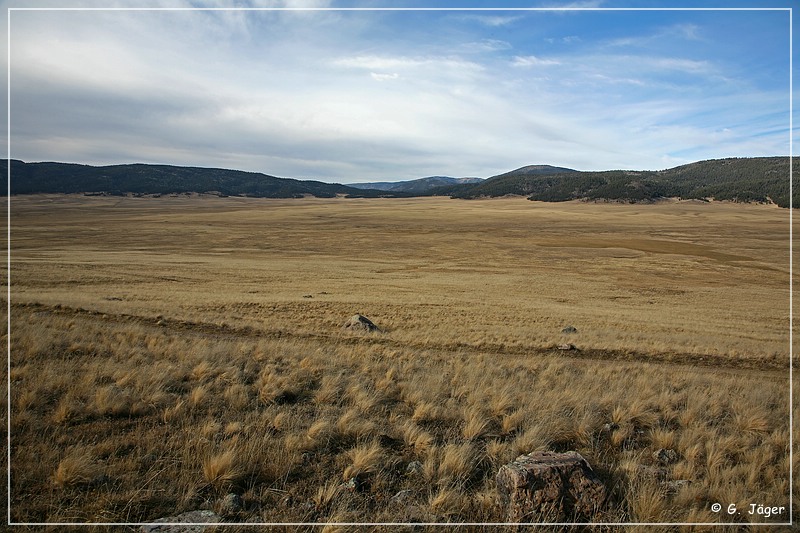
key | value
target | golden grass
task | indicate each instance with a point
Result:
(77, 468)
(222, 469)
(665, 278)
(177, 368)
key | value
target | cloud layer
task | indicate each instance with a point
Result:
(366, 95)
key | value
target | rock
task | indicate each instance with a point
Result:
(355, 484)
(413, 468)
(566, 347)
(286, 502)
(650, 471)
(360, 323)
(569, 329)
(551, 487)
(182, 523)
(676, 485)
(400, 498)
(666, 457)
(231, 505)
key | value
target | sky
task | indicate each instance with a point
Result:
(387, 95)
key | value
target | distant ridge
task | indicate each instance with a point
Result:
(29, 178)
(417, 186)
(757, 179)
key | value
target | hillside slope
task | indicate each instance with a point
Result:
(28, 178)
(762, 179)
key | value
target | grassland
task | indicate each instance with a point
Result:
(168, 351)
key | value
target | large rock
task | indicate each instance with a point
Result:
(550, 487)
(183, 523)
(360, 323)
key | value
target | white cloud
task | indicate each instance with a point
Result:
(384, 77)
(298, 95)
(493, 21)
(532, 61)
(486, 45)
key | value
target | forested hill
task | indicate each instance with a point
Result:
(760, 179)
(29, 178)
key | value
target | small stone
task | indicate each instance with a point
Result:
(175, 524)
(286, 502)
(676, 484)
(307, 506)
(350, 485)
(308, 296)
(566, 347)
(655, 472)
(414, 467)
(400, 498)
(569, 329)
(666, 456)
(231, 505)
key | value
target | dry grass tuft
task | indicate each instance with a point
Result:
(76, 469)
(365, 459)
(353, 424)
(477, 425)
(222, 470)
(326, 495)
(416, 438)
(448, 502)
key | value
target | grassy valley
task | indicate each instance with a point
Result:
(169, 351)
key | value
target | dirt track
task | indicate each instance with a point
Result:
(717, 363)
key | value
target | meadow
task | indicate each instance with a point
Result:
(168, 351)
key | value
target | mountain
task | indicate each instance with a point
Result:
(29, 178)
(758, 179)
(418, 186)
(523, 174)
(536, 170)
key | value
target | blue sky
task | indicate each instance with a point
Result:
(351, 96)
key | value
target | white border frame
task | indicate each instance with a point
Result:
(444, 524)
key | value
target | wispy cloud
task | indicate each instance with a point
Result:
(350, 96)
(532, 61)
(486, 45)
(384, 77)
(492, 21)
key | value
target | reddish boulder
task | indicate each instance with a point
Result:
(550, 487)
